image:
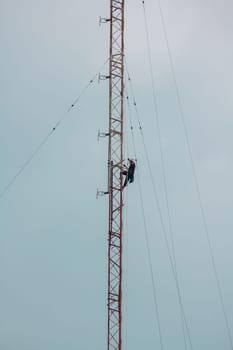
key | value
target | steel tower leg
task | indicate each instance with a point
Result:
(115, 166)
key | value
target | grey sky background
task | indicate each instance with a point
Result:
(53, 232)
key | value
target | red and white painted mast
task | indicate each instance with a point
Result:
(115, 167)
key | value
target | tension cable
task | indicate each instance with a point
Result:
(49, 134)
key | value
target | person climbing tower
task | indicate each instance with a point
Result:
(129, 172)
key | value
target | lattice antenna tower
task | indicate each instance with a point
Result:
(115, 167)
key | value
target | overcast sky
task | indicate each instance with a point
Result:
(53, 231)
